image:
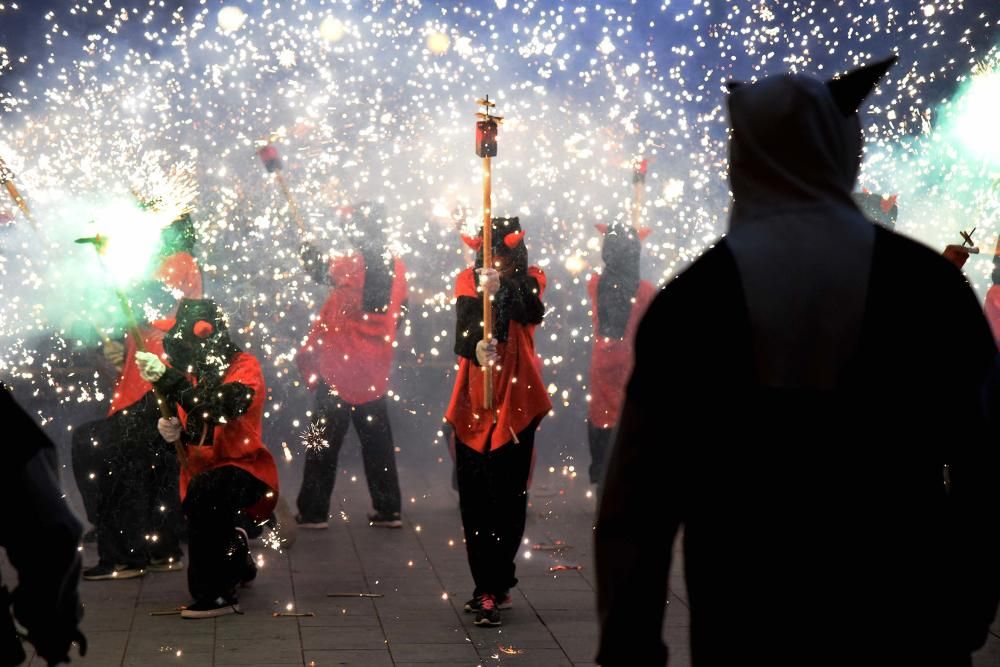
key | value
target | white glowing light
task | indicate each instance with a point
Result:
(975, 125)
(332, 29)
(438, 43)
(231, 18)
(575, 264)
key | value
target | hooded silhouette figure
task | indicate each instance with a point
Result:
(797, 393)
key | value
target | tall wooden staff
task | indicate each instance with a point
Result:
(272, 162)
(132, 326)
(486, 148)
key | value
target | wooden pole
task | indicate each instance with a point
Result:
(296, 216)
(487, 264)
(133, 330)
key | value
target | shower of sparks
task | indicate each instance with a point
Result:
(370, 101)
(313, 438)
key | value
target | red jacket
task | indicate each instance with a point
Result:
(347, 348)
(519, 395)
(238, 442)
(611, 360)
(179, 272)
(992, 309)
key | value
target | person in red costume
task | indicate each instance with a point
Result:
(992, 305)
(219, 394)
(347, 359)
(126, 476)
(619, 299)
(493, 451)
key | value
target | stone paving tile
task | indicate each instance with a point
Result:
(433, 653)
(554, 621)
(329, 639)
(373, 658)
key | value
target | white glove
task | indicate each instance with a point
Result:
(489, 281)
(151, 368)
(170, 429)
(486, 353)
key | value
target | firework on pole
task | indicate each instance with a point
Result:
(486, 148)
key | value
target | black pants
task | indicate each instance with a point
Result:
(600, 442)
(128, 475)
(217, 558)
(371, 421)
(493, 498)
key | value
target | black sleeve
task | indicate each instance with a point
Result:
(469, 326)
(315, 263)
(524, 302)
(633, 562)
(216, 404)
(41, 536)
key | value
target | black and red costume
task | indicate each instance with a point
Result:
(619, 298)
(229, 472)
(494, 451)
(347, 361)
(127, 476)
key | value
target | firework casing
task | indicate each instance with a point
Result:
(486, 138)
(270, 157)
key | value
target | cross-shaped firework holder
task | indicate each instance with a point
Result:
(486, 148)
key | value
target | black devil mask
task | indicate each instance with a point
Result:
(507, 240)
(199, 342)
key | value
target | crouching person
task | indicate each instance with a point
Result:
(227, 476)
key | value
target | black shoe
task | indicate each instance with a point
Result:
(250, 567)
(220, 606)
(105, 571)
(488, 614)
(171, 563)
(385, 520)
(475, 604)
(311, 524)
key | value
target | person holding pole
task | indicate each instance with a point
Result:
(619, 298)
(126, 475)
(494, 445)
(229, 475)
(499, 397)
(347, 360)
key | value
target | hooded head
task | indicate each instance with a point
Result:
(198, 341)
(178, 236)
(363, 224)
(509, 251)
(618, 283)
(802, 248)
(621, 249)
(796, 139)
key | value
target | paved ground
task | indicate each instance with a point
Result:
(422, 575)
